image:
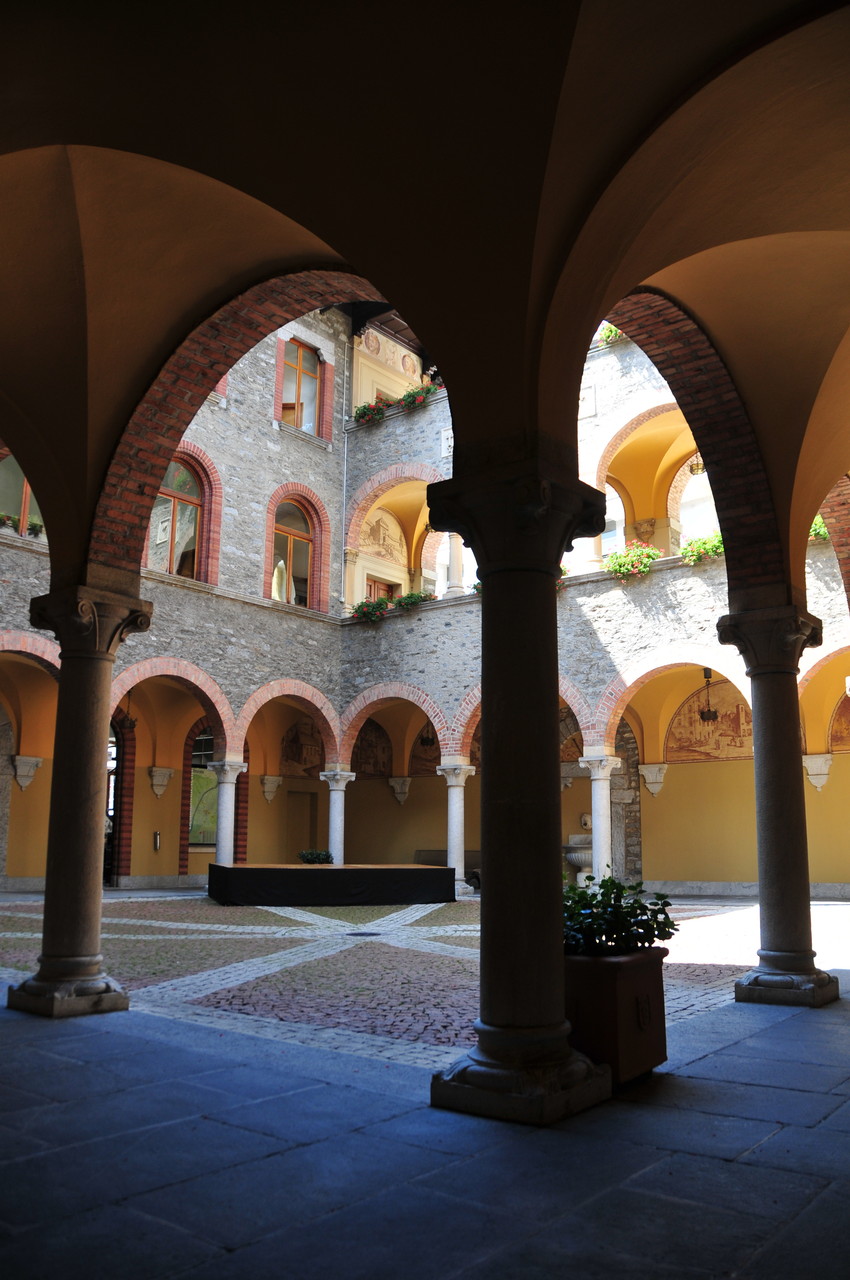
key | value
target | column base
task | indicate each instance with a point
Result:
(68, 999)
(763, 986)
(481, 1086)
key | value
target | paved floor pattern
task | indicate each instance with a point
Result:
(165, 1143)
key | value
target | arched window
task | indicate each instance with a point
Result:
(175, 528)
(19, 511)
(300, 394)
(293, 550)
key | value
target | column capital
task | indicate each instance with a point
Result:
(89, 622)
(653, 776)
(600, 766)
(517, 518)
(771, 640)
(270, 784)
(456, 774)
(337, 779)
(227, 770)
(160, 778)
(25, 767)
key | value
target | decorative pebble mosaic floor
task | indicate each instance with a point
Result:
(397, 984)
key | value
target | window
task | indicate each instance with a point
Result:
(19, 511)
(300, 393)
(376, 590)
(293, 549)
(203, 814)
(175, 524)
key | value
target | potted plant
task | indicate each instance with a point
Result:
(635, 560)
(314, 857)
(614, 983)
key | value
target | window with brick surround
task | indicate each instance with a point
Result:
(176, 525)
(293, 552)
(299, 392)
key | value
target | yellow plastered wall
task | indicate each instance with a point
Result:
(371, 376)
(818, 700)
(276, 830)
(702, 824)
(826, 820)
(29, 812)
(575, 800)
(164, 711)
(380, 830)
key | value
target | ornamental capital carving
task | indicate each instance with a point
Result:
(600, 767)
(227, 771)
(401, 788)
(456, 774)
(771, 640)
(89, 622)
(817, 769)
(160, 778)
(653, 777)
(270, 784)
(337, 779)
(516, 518)
(25, 767)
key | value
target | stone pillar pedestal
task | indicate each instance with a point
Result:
(226, 772)
(771, 641)
(523, 1067)
(89, 624)
(337, 781)
(456, 775)
(600, 769)
(455, 582)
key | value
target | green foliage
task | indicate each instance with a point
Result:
(314, 856)
(613, 918)
(366, 413)
(12, 521)
(412, 399)
(34, 528)
(819, 531)
(412, 599)
(634, 561)
(609, 333)
(698, 549)
(371, 610)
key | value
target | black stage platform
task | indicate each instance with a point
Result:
(273, 885)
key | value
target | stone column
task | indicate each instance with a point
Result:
(89, 624)
(518, 523)
(600, 769)
(454, 587)
(226, 772)
(771, 641)
(455, 774)
(337, 780)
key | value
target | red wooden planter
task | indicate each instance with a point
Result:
(616, 1007)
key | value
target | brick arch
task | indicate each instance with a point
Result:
(721, 427)
(617, 440)
(614, 699)
(303, 695)
(570, 694)
(429, 547)
(44, 653)
(320, 564)
(205, 689)
(376, 486)
(179, 390)
(835, 510)
(464, 724)
(677, 489)
(358, 712)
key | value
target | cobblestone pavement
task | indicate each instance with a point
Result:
(399, 984)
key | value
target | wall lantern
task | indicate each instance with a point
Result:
(706, 713)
